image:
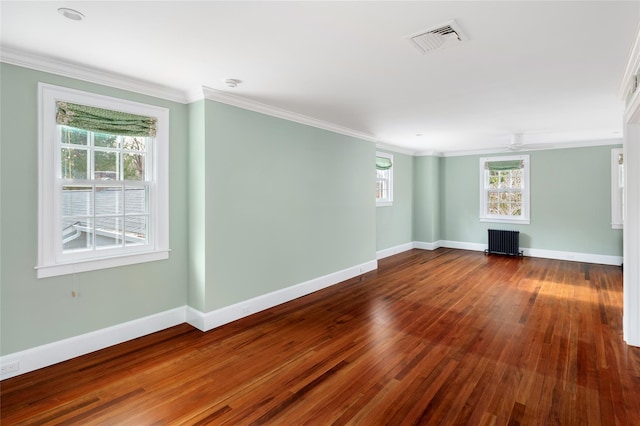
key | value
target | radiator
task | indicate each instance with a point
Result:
(504, 242)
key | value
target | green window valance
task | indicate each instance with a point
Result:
(504, 165)
(383, 163)
(104, 120)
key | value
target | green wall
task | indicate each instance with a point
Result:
(284, 203)
(197, 209)
(35, 312)
(394, 223)
(570, 202)
(258, 204)
(426, 219)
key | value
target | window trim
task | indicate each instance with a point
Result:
(617, 192)
(525, 218)
(386, 202)
(50, 262)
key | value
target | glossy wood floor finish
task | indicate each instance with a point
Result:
(431, 337)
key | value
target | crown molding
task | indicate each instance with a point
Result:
(559, 145)
(251, 105)
(633, 66)
(394, 148)
(92, 75)
(429, 154)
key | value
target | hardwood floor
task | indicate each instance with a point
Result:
(431, 337)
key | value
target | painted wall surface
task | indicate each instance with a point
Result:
(197, 210)
(394, 223)
(570, 202)
(284, 202)
(35, 312)
(426, 198)
(258, 204)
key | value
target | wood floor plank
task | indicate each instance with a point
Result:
(430, 337)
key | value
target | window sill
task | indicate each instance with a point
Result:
(617, 226)
(384, 203)
(45, 271)
(504, 220)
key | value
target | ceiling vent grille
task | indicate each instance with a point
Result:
(439, 37)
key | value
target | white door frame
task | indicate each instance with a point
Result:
(631, 233)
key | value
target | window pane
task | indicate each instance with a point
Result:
(106, 165)
(516, 178)
(516, 209)
(136, 230)
(131, 143)
(73, 163)
(517, 197)
(105, 140)
(135, 200)
(73, 136)
(109, 232)
(134, 166)
(382, 189)
(494, 179)
(504, 180)
(108, 200)
(77, 234)
(77, 201)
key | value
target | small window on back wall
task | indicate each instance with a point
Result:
(384, 179)
(504, 189)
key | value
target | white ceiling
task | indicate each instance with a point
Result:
(549, 70)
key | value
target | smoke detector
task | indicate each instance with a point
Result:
(438, 37)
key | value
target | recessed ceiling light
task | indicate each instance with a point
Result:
(232, 82)
(71, 14)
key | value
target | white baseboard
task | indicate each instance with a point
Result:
(574, 256)
(462, 245)
(381, 254)
(62, 350)
(545, 254)
(426, 246)
(206, 321)
(52, 353)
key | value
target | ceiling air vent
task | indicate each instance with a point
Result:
(439, 37)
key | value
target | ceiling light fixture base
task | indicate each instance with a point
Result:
(232, 82)
(72, 14)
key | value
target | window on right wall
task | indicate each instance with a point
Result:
(617, 188)
(504, 189)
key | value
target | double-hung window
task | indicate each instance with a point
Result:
(504, 189)
(384, 179)
(103, 182)
(617, 188)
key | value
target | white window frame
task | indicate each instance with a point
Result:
(51, 260)
(617, 189)
(525, 217)
(385, 202)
